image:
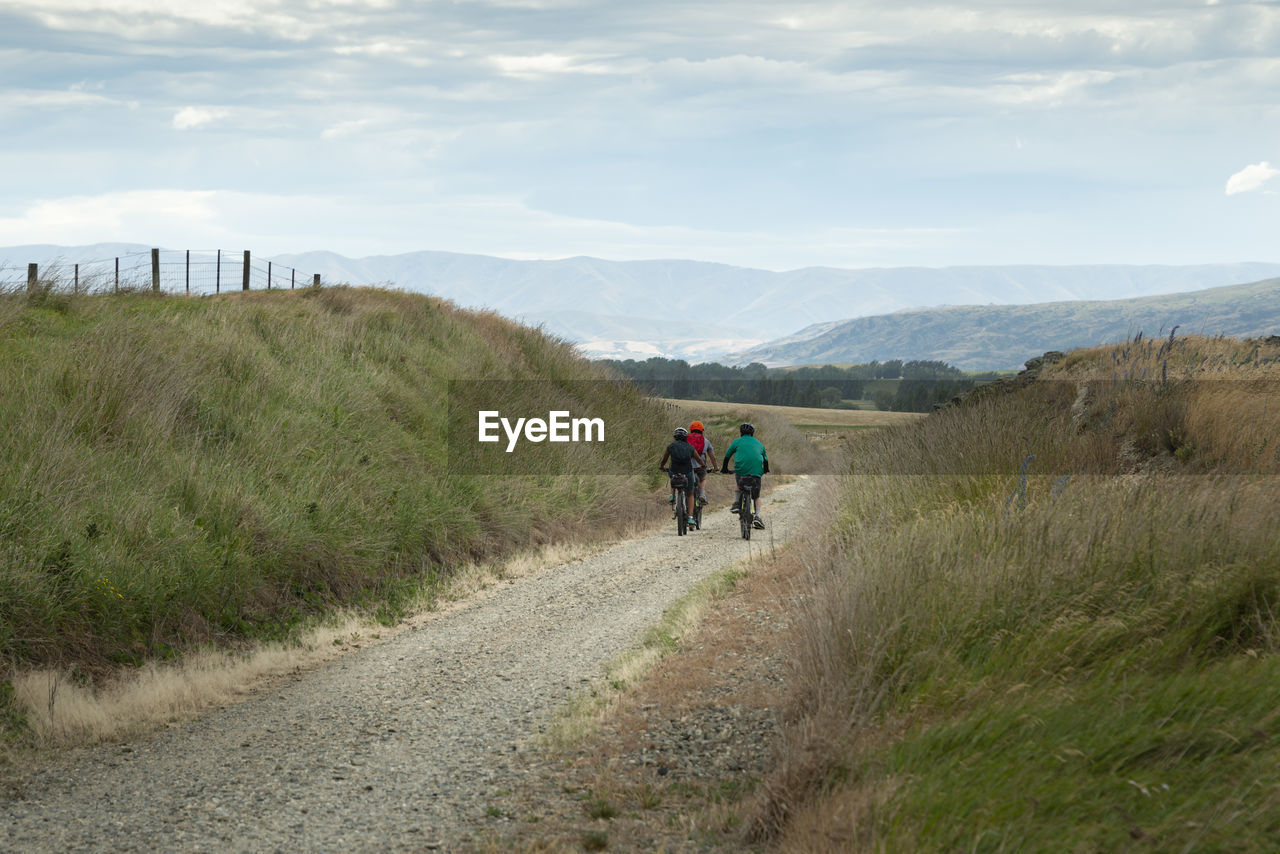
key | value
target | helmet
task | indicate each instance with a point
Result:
(747, 429)
(681, 433)
(697, 425)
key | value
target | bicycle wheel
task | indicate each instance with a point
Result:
(682, 513)
(697, 513)
(745, 515)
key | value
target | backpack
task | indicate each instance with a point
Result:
(681, 453)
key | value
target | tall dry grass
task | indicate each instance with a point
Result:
(1049, 621)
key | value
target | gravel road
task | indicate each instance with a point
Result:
(400, 746)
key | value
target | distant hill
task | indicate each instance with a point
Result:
(701, 311)
(988, 337)
(698, 310)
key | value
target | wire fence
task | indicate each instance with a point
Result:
(188, 271)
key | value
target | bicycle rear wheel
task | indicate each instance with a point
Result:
(682, 513)
(745, 515)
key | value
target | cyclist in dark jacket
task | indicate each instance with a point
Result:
(751, 464)
(684, 458)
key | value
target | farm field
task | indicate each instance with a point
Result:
(805, 417)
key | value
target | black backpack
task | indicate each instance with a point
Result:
(681, 453)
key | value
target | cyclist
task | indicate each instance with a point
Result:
(683, 459)
(703, 446)
(751, 464)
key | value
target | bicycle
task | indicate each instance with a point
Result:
(697, 504)
(746, 512)
(680, 486)
(747, 503)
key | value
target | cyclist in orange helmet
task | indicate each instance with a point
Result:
(703, 446)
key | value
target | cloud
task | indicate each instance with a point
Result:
(505, 226)
(346, 128)
(194, 117)
(124, 216)
(72, 98)
(742, 129)
(1251, 178)
(527, 66)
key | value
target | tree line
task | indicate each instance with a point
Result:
(919, 385)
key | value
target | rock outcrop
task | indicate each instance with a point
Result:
(1004, 385)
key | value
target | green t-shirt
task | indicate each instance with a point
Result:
(748, 455)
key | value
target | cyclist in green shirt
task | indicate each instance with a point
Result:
(750, 465)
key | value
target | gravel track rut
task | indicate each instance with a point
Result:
(399, 746)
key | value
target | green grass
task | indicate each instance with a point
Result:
(600, 807)
(1184, 760)
(1039, 663)
(181, 471)
(1059, 698)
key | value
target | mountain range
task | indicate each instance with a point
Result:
(995, 337)
(702, 311)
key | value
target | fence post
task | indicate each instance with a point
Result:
(293, 274)
(187, 273)
(75, 283)
(268, 275)
(217, 275)
(155, 270)
(33, 277)
(315, 283)
(116, 288)
(246, 271)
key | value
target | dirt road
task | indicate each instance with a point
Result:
(399, 746)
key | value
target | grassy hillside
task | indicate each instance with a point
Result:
(996, 337)
(185, 471)
(1058, 629)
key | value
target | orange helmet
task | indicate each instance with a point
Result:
(697, 425)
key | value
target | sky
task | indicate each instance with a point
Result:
(766, 134)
